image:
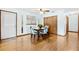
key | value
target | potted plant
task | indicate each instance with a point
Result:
(40, 25)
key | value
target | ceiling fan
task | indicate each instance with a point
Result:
(44, 10)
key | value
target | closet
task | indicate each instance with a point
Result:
(8, 24)
(52, 23)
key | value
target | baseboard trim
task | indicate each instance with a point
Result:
(9, 38)
(16, 36)
(22, 35)
(73, 31)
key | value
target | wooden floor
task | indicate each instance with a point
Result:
(51, 43)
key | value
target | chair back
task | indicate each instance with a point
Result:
(46, 30)
(32, 30)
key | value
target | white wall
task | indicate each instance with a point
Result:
(40, 19)
(20, 13)
(26, 28)
(61, 25)
(73, 23)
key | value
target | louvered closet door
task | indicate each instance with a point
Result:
(52, 23)
(8, 25)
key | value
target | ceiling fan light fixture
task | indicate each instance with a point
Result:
(44, 10)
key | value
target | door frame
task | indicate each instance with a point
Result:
(0, 21)
(78, 23)
(67, 25)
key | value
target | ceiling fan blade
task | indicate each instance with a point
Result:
(46, 10)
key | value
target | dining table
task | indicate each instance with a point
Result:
(38, 31)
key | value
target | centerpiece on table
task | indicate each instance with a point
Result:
(40, 26)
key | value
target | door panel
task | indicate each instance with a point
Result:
(8, 25)
(72, 23)
(52, 23)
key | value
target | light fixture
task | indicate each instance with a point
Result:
(44, 10)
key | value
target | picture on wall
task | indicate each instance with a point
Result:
(31, 20)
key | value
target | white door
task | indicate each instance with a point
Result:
(73, 23)
(8, 25)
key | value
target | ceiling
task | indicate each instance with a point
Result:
(52, 10)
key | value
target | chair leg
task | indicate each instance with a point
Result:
(34, 36)
(42, 36)
(31, 35)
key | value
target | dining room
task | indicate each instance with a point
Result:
(37, 29)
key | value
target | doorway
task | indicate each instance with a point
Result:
(8, 24)
(72, 23)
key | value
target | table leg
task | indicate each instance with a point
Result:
(38, 35)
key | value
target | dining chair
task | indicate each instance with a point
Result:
(33, 32)
(45, 31)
